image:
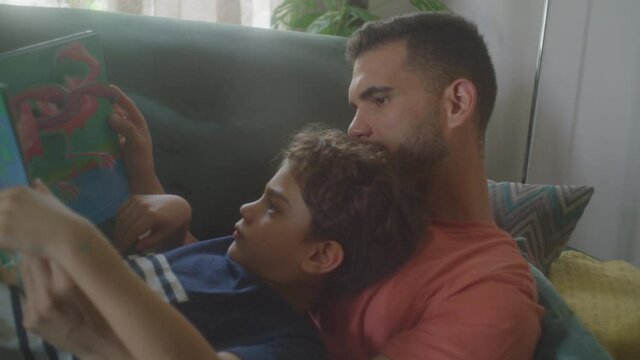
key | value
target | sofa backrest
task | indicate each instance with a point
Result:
(221, 100)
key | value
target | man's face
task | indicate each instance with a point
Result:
(393, 106)
(271, 239)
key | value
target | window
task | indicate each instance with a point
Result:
(244, 12)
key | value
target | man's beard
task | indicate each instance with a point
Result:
(416, 159)
(423, 148)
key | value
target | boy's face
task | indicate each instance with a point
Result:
(271, 239)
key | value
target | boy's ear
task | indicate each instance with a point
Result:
(324, 257)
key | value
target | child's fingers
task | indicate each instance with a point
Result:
(155, 238)
(123, 218)
(36, 279)
(126, 208)
(134, 114)
(123, 126)
(61, 283)
(149, 241)
(130, 224)
(136, 231)
(131, 213)
(50, 299)
(30, 291)
(40, 186)
(123, 241)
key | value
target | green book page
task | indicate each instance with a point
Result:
(60, 102)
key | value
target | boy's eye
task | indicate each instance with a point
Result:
(271, 208)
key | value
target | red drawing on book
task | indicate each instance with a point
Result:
(49, 109)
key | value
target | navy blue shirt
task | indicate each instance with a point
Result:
(232, 308)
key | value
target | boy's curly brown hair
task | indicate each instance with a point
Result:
(355, 196)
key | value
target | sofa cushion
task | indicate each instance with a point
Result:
(526, 251)
(605, 295)
(543, 214)
(564, 336)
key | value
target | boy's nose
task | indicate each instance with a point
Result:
(246, 211)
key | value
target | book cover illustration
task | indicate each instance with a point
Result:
(60, 103)
(12, 173)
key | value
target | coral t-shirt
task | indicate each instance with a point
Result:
(467, 294)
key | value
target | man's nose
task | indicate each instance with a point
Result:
(359, 128)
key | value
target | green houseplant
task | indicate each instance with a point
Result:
(332, 17)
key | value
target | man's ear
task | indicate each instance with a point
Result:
(460, 99)
(324, 257)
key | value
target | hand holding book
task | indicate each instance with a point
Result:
(152, 223)
(137, 149)
(33, 220)
(57, 309)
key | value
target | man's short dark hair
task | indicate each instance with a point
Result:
(444, 46)
(355, 196)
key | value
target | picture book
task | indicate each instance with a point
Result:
(12, 170)
(60, 102)
(12, 173)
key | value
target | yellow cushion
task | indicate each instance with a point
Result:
(605, 296)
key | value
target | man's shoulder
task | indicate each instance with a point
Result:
(461, 278)
(464, 245)
(452, 260)
(467, 231)
(454, 257)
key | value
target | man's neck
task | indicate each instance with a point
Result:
(457, 189)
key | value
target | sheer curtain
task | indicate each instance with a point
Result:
(243, 12)
(588, 125)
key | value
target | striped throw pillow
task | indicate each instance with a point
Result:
(545, 215)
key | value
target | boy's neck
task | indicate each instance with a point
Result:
(301, 296)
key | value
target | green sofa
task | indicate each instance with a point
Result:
(221, 101)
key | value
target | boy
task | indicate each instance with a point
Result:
(321, 230)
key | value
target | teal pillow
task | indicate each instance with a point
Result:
(563, 337)
(545, 215)
(527, 252)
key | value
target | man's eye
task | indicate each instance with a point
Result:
(380, 100)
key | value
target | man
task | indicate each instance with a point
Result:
(424, 86)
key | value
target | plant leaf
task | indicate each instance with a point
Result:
(330, 4)
(304, 21)
(280, 14)
(288, 12)
(327, 23)
(362, 14)
(429, 5)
